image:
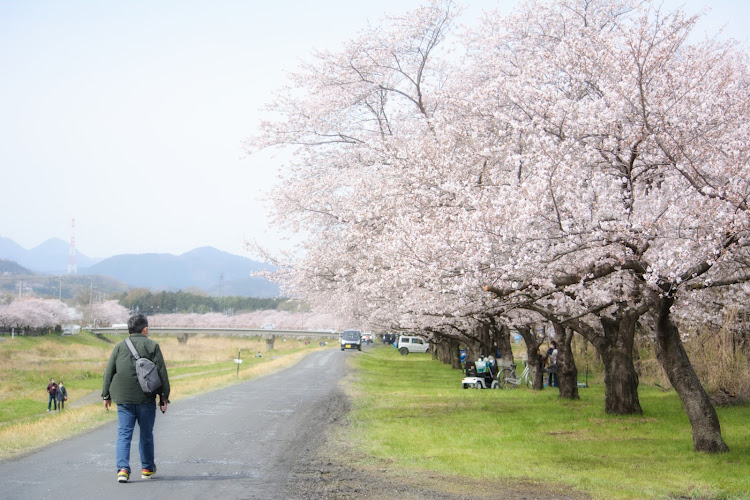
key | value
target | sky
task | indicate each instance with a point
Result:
(129, 116)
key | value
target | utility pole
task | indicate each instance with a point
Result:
(72, 265)
(221, 291)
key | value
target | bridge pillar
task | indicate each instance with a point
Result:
(182, 337)
(269, 342)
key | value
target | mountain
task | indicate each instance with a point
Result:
(11, 250)
(211, 270)
(49, 257)
(11, 268)
(16, 279)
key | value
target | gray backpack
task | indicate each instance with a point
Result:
(145, 369)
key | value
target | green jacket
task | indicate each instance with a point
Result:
(120, 381)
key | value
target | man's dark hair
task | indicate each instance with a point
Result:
(137, 323)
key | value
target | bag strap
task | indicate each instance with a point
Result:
(132, 348)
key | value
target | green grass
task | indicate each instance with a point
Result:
(412, 411)
(27, 363)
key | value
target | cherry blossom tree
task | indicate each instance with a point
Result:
(255, 319)
(33, 314)
(107, 313)
(580, 163)
(626, 127)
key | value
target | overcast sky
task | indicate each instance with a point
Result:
(128, 116)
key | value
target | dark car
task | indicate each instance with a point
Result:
(351, 339)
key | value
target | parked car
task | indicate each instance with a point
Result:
(351, 339)
(407, 344)
(70, 329)
(268, 326)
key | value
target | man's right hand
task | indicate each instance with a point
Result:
(107, 404)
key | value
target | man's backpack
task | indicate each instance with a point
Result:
(145, 369)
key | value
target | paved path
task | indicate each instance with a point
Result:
(237, 442)
(96, 396)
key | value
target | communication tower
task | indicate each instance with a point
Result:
(72, 266)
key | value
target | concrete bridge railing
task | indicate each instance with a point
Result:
(246, 332)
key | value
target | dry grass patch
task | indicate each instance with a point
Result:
(197, 385)
(21, 369)
(205, 363)
(215, 349)
(27, 436)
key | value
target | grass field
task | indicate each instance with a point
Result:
(27, 363)
(410, 411)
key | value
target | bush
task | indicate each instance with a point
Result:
(721, 361)
(719, 356)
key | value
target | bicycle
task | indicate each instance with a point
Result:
(507, 378)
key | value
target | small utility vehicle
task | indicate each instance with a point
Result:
(480, 374)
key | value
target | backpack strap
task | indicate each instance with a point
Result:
(132, 348)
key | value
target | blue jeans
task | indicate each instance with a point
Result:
(51, 400)
(127, 415)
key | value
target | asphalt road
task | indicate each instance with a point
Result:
(241, 442)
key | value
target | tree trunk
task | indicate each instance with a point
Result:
(503, 343)
(532, 354)
(620, 377)
(567, 372)
(448, 351)
(701, 413)
(455, 355)
(473, 349)
(483, 336)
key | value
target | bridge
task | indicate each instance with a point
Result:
(241, 332)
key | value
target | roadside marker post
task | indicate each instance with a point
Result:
(238, 361)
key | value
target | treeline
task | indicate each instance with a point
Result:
(146, 302)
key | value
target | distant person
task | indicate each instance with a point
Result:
(541, 360)
(133, 405)
(552, 364)
(51, 391)
(61, 395)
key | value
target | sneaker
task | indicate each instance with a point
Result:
(123, 476)
(148, 474)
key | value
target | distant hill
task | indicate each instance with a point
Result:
(10, 268)
(211, 270)
(202, 268)
(49, 257)
(22, 281)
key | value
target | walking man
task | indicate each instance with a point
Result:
(51, 390)
(133, 405)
